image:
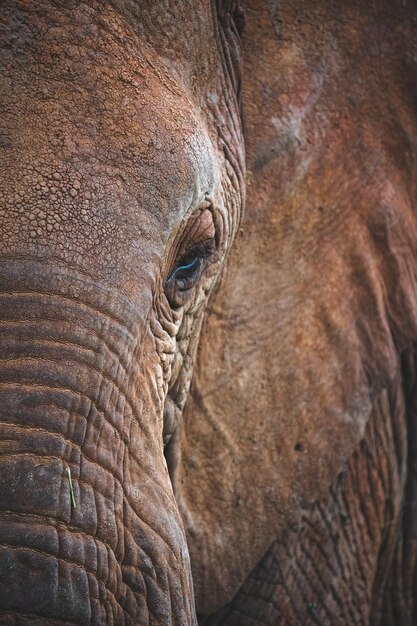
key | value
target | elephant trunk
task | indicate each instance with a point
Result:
(89, 529)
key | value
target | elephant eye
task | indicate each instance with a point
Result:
(187, 273)
(187, 268)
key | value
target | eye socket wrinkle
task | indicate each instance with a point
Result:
(188, 270)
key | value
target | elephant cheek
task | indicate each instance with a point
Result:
(89, 529)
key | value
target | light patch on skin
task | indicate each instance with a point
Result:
(206, 170)
(292, 125)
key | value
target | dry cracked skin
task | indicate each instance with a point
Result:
(208, 269)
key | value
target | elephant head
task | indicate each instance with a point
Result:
(122, 170)
(123, 177)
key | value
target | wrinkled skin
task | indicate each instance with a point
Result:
(121, 163)
(293, 461)
(296, 465)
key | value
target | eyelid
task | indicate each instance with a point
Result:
(203, 249)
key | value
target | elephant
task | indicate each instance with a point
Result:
(208, 313)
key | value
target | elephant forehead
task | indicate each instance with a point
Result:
(155, 154)
(101, 175)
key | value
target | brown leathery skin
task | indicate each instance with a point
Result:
(305, 333)
(294, 468)
(121, 150)
(74, 396)
(318, 571)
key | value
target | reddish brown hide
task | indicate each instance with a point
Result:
(294, 462)
(301, 374)
(122, 167)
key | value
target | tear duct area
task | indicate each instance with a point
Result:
(89, 529)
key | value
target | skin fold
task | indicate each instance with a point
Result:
(121, 159)
(238, 422)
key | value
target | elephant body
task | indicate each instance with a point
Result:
(207, 417)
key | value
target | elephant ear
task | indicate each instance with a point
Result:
(319, 295)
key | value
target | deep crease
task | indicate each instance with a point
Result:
(70, 344)
(60, 525)
(84, 569)
(72, 412)
(109, 497)
(122, 390)
(49, 387)
(319, 578)
(102, 339)
(95, 536)
(80, 303)
(94, 462)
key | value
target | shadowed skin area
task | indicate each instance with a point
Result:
(296, 465)
(120, 198)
